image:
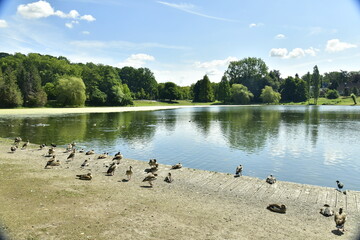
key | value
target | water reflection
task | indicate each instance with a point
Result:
(307, 144)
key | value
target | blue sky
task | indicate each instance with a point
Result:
(181, 41)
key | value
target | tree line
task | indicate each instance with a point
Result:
(36, 80)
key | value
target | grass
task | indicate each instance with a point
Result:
(144, 103)
(343, 101)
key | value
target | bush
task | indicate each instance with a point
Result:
(332, 94)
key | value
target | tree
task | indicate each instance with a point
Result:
(71, 92)
(203, 91)
(353, 96)
(10, 95)
(332, 94)
(293, 90)
(170, 91)
(241, 94)
(316, 83)
(268, 95)
(224, 90)
(250, 72)
(307, 79)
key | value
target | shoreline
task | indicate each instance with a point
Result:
(38, 203)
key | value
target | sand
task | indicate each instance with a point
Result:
(38, 203)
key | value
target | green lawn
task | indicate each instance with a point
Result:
(142, 103)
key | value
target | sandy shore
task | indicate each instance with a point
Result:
(38, 203)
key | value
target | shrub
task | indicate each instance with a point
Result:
(332, 94)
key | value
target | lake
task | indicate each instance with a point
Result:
(305, 144)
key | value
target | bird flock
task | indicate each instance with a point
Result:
(339, 217)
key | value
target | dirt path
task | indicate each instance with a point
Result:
(38, 203)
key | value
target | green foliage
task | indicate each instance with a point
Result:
(355, 90)
(10, 95)
(97, 97)
(203, 91)
(70, 92)
(241, 94)
(294, 90)
(268, 95)
(170, 91)
(224, 90)
(316, 83)
(332, 94)
(353, 97)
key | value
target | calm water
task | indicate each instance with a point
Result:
(305, 144)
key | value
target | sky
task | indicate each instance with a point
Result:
(181, 41)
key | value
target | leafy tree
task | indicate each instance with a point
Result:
(10, 95)
(293, 90)
(316, 83)
(97, 97)
(127, 99)
(241, 94)
(50, 90)
(307, 79)
(224, 90)
(71, 92)
(355, 90)
(250, 72)
(268, 95)
(353, 96)
(332, 94)
(170, 91)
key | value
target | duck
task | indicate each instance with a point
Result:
(53, 145)
(340, 219)
(176, 166)
(168, 178)
(150, 178)
(118, 156)
(24, 146)
(81, 150)
(42, 146)
(238, 171)
(51, 151)
(71, 156)
(152, 162)
(17, 140)
(326, 210)
(87, 176)
(90, 152)
(111, 169)
(271, 179)
(85, 163)
(277, 208)
(129, 173)
(52, 162)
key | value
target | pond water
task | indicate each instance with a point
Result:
(306, 144)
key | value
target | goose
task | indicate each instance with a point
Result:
(168, 178)
(87, 176)
(271, 179)
(85, 163)
(129, 173)
(51, 162)
(340, 219)
(17, 140)
(176, 166)
(111, 169)
(81, 150)
(51, 151)
(238, 171)
(53, 145)
(68, 148)
(150, 178)
(13, 148)
(42, 146)
(339, 185)
(118, 156)
(103, 156)
(90, 152)
(71, 156)
(152, 162)
(326, 210)
(25, 144)
(277, 208)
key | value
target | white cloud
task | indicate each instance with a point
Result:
(295, 53)
(280, 36)
(85, 32)
(252, 25)
(136, 60)
(71, 24)
(43, 9)
(215, 63)
(189, 8)
(3, 23)
(334, 45)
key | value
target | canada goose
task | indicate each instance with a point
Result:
(176, 166)
(25, 144)
(271, 179)
(87, 176)
(277, 208)
(168, 178)
(71, 156)
(13, 148)
(149, 178)
(339, 185)
(111, 169)
(129, 173)
(340, 219)
(85, 163)
(238, 171)
(326, 210)
(90, 152)
(103, 156)
(152, 162)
